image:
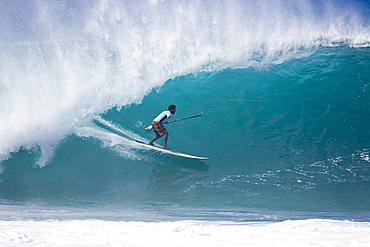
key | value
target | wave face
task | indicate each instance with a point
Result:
(283, 88)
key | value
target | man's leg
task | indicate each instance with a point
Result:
(165, 140)
(154, 139)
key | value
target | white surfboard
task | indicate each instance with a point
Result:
(168, 151)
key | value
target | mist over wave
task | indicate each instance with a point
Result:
(62, 63)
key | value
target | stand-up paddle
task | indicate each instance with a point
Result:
(149, 127)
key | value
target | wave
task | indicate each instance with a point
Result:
(76, 60)
(290, 137)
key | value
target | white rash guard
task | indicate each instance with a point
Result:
(162, 118)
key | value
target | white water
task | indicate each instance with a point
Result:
(91, 233)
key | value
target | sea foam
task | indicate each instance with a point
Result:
(312, 232)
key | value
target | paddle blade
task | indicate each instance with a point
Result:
(148, 127)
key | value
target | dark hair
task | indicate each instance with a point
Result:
(171, 107)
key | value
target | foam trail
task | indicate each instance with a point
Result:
(123, 146)
(112, 136)
(112, 127)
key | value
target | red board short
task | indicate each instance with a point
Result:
(159, 129)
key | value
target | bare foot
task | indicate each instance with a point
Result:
(151, 143)
(166, 147)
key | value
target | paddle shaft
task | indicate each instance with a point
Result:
(148, 127)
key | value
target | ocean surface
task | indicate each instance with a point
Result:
(284, 92)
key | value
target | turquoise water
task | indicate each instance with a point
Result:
(285, 110)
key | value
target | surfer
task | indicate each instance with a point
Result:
(158, 127)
